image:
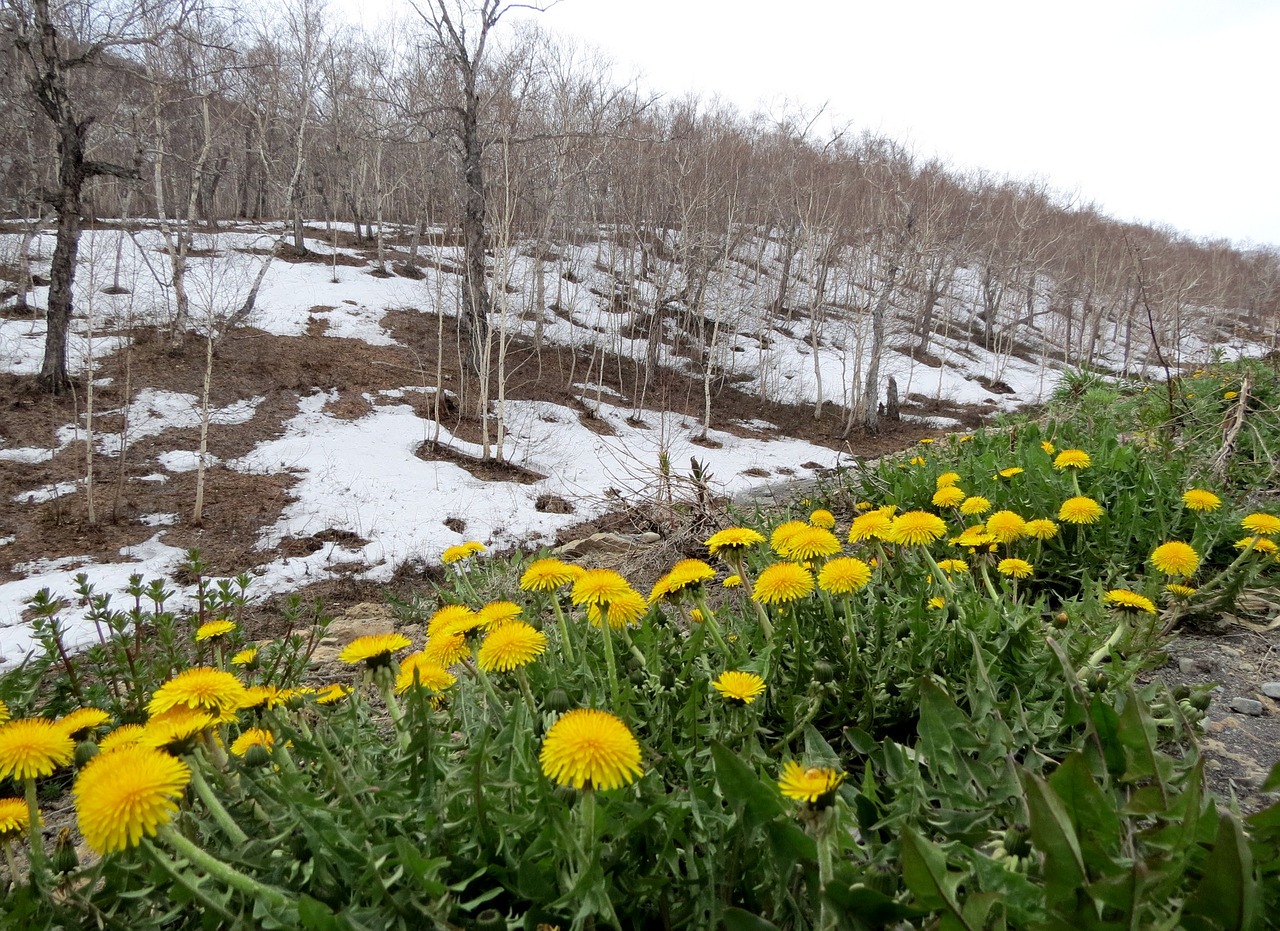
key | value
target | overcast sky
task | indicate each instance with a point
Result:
(1162, 111)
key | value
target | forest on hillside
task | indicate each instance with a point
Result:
(469, 137)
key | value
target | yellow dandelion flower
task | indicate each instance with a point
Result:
(201, 688)
(1072, 459)
(783, 582)
(599, 586)
(951, 566)
(497, 612)
(452, 619)
(972, 537)
(1230, 395)
(916, 528)
(1259, 544)
(815, 785)
(844, 575)
(213, 630)
(332, 694)
(1041, 529)
(373, 649)
(1129, 601)
(948, 496)
(1015, 568)
(733, 581)
(79, 722)
(547, 575)
(780, 539)
(974, 506)
(593, 749)
(122, 736)
(689, 574)
(253, 737)
(823, 518)
(509, 646)
(15, 819)
(33, 747)
(447, 649)
(811, 543)
(733, 540)
(268, 697)
(1265, 525)
(127, 794)
(1006, 526)
(1010, 472)
(873, 525)
(426, 672)
(1179, 591)
(1080, 510)
(927, 440)
(1197, 499)
(1047, 447)
(175, 730)
(246, 657)
(1175, 558)
(4, 713)
(937, 602)
(455, 554)
(947, 480)
(741, 688)
(626, 609)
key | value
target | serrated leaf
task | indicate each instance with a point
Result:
(742, 786)
(1054, 836)
(737, 919)
(1227, 897)
(924, 870)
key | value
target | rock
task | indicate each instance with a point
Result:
(1187, 665)
(357, 621)
(1247, 706)
(1271, 689)
(607, 543)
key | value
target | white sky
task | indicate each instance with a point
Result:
(1158, 110)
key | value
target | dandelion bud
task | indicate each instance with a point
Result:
(1061, 619)
(668, 678)
(1200, 701)
(1181, 692)
(257, 755)
(823, 671)
(490, 920)
(65, 859)
(882, 878)
(86, 750)
(637, 677)
(557, 701)
(1097, 681)
(1017, 840)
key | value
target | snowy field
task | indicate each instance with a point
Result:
(362, 476)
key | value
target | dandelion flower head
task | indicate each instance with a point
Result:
(1072, 459)
(460, 552)
(547, 575)
(951, 566)
(733, 540)
(1041, 529)
(82, 720)
(780, 539)
(373, 649)
(974, 506)
(823, 518)
(452, 619)
(947, 480)
(1197, 499)
(1176, 558)
(948, 496)
(447, 649)
(1258, 544)
(201, 688)
(844, 575)
(245, 657)
(916, 528)
(587, 748)
(253, 737)
(498, 612)
(127, 794)
(122, 736)
(873, 525)
(810, 543)
(213, 630)
(814, 785)
(33, 747)
(1015, 568)
(1006, 526)
(599, 586)
(625, 610)
(783, 582)
(1130, 601)
(15, 819)
(509, 646)
(1010, 472)
(1080, 510)
(740, 687)
(1266, 525)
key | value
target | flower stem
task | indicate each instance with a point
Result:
(39, 860)
(192, 887)
(215, 806)
(10, 862)
(523, 679)
(1106, 648)
(227, 875)
(611, 665)
(565, 639)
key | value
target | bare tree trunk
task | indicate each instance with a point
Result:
(197, 512)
